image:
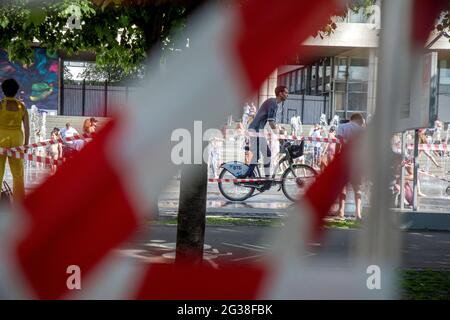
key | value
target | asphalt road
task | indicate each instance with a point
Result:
(251, 244)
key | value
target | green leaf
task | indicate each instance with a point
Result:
(4, 22)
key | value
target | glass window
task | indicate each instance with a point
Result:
(444, 72)
(444, 76)
(341, 68)
(340, 86)
(359, 69)
(357, 17)
(298, 75)
(355, 86)
(292, 82)
(340, 101)
(357, 101)
(327, 74)
(304, 78)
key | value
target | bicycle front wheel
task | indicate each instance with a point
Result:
(231, 190)
(296, 180)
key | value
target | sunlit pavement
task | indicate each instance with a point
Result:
(271, 203)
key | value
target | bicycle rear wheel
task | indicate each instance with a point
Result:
(231, 190)
(296, 181)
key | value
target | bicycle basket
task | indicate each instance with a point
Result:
(6, 194)
(296, 150)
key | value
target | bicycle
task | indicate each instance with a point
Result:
(295, 179)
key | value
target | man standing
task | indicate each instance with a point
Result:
(245, 115)
(346, 132)
(296, 125)
(317, 133)
(267, 113)
(252, 113)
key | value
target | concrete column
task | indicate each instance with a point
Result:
(372, 81)
(267, 89)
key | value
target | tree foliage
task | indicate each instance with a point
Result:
(120, 34)
(111, 73)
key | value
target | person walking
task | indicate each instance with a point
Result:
(13, 114)
(346, 132)
(55, 149)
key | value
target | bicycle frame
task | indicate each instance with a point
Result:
(286, 158)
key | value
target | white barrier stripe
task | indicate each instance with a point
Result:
(83, 136)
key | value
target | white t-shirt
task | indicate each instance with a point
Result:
(316, 134)
(294, 121)
(348, 130)
(246, 109)
(67, 133)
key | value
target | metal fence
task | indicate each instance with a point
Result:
(92, 100)
(309, 108)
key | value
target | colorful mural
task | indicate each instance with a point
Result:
(38, 81)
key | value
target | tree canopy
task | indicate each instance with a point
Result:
(117, 31)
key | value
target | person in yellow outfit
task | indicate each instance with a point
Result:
(13, 114)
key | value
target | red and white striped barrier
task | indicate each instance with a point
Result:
(270, 135)
(30, 157)
(236, 180)
(45, 143)
(431, 147)
(20, 152)
(249, 180)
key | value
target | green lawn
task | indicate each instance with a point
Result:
(425, 285)
(229, 221)
(264, 222)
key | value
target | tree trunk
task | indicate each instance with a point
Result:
(192, 213)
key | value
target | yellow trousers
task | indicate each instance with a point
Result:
(8, 139)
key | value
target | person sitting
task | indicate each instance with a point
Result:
(89, 125)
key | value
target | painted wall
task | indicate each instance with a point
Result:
(38, 81)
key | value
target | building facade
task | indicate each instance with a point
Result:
(341, 79)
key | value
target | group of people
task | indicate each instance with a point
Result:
(259, 146)
(15, 132)
(55, 151)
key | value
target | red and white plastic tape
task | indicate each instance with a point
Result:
(431, 147)
(50, 142)
(270, 135)
(20, 152)
(236, 180)
(30, 157)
